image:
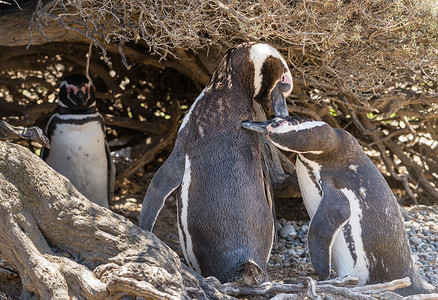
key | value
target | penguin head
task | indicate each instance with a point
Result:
(259, 71)
(76, 92)
(295, 134)
(272, 78)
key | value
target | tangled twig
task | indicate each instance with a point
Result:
(352, 61)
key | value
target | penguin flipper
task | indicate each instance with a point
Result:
(48, 132)
(165, 181)
(332, 213)
(44, 153)
(268, 149)
(111, 173)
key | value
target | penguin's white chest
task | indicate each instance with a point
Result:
(346, 261)
(78, 152)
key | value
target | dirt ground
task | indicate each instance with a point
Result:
(129, 198)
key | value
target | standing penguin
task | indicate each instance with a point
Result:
(355, 219)
(78, 148)
(225, 216)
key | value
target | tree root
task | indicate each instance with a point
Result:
(64, 246)
(18, 132)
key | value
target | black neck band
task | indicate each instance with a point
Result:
(68, 111)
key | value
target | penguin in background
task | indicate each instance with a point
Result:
(356, 223)
(78, 147)
(225, 211)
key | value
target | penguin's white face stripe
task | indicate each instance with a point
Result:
(258, 55)
(292, 150)
(187, 248)
(62, 104)
(286, 127)
(187, 116)
(344, 262)
(70, 87)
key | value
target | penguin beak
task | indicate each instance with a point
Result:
(81, 98)
(256, 126)
(278, 97)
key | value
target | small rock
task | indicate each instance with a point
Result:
(416, 240)
(415, 226)
(281, 249)
(276, 260)
(305, 228)
(287, 230)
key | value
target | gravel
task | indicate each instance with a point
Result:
(286, 231)
(421, 223)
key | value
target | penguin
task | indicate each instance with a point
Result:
(225, 213)
(78, 147)
(356, 223)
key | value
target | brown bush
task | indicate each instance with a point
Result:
(370, 67)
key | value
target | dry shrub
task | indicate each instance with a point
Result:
(370, 67)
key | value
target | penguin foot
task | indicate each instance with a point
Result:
(250, 273)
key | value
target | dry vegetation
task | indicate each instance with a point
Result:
(370, 67)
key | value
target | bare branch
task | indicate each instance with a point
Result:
(9, 132)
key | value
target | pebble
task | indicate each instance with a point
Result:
(286, 231)
(415, 240)
(421, 227)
